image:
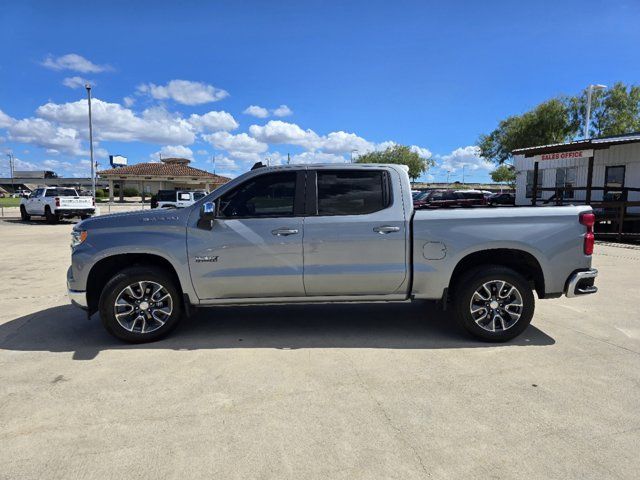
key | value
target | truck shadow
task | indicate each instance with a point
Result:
(395, 326)
(41, 221)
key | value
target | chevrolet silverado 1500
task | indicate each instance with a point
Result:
(55, 203)
(327, 233)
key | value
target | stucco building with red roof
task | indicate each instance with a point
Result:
(169, 174)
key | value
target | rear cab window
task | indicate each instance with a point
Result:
(352, 192)
(61, 192)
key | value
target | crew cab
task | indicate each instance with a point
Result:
(327, 233)
(55, 203)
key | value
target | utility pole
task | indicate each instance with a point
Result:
(462, 173)
(288, 158)
(590, 90)
(93, 176)
(13, 187)
(213, 161)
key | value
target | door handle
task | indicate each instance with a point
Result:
(385, 229)
(284, 232)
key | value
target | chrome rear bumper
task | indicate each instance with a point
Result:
(581, 283)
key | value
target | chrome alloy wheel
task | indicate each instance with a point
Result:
(143, 307)
(496, 306)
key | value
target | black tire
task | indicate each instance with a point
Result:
(464, 293)
(118, 283)
(50, 217)
(24, 216)
(84, 217)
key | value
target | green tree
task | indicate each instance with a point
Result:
(399, 155)
(549, 122)
(504, 174)
(614, 111)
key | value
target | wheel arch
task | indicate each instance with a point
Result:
(521, 261)
(106, 268)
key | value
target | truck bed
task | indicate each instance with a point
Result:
(442, 238)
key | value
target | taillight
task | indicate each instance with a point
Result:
(93, 201)
(57, 202)
(588, 220)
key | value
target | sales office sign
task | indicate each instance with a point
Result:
(575, 154)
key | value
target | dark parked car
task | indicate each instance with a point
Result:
(449, 198)
(436, 198)
(502, 199)
(470, 198)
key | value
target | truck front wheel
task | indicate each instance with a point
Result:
(493, 303)
(140, 304)
(24, 216)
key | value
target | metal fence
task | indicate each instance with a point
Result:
(613, 218)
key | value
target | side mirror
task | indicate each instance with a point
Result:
(207, 215)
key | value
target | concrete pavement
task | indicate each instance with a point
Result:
(329, 391)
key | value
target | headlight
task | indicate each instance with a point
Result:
(77, 237)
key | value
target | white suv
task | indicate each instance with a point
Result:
(178, 198)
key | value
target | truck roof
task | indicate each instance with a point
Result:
(333, 166)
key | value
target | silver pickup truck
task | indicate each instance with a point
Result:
(327, 233)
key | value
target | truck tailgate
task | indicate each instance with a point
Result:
(75, 202)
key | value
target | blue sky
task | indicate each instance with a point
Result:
(323, 78)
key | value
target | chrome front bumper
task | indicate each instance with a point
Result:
(581, 283)
(78, 298)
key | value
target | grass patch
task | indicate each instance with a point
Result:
(9, 202)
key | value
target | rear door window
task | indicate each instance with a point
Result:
(345, 192)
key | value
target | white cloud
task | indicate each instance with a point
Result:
(282, 111)
(342, 142)
(202, 152)
(226, 164)
(317, 157)
(54, 138)
(19, 164)
(382, 146)
(111, 121)
(261, 112)
(213, 121)
(76, 82)
(469, 157)
(235, 143)
(5, 120)
(172, 151)
(421, 151)
(57, 164)
(75, 62)
(128, 101)
(279, 132)
(256, 111)
(185, 92)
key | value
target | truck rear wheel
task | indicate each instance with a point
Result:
(24, 216)
(50, 217)
(493, 303)
(140, 304)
